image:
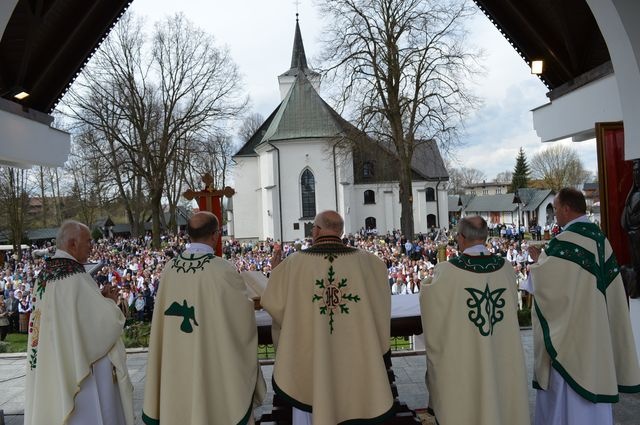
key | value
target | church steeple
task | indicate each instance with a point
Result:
(298, 64)
(298, 57)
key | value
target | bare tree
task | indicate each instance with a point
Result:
(559, 166)
(459, 178)
(504, 177)
(149, 100)
(14, 197)
(249, 126)
(402, 66)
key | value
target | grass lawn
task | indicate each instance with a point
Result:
(15, 343)
(136, 334)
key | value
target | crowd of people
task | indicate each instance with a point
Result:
(135, 268)
(330, 310)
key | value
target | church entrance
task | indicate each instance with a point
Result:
(431, 221)
(370, 223)
(307, 229)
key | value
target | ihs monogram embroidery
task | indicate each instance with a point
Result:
(331, 297)
(487, 308)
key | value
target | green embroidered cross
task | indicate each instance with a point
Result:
(331, 296)
(486, 308)
(187, 314)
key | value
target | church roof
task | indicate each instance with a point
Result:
(304, 114)
(298, 56)
(249, 148)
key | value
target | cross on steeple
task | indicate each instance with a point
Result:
(297, 3)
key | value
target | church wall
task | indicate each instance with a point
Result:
(247, 199)
(295, 157)
(387, 209)
(269, 214)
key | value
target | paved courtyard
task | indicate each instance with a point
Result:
(409, 371)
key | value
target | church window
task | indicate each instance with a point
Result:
(369, 197)
(367, 169)
(308, 193)
(430, 194)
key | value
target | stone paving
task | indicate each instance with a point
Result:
(409, 371)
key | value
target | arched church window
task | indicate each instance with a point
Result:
(367, 169)
(430, 194)
(369, 197)
(308, 193)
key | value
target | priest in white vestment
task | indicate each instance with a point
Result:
(202, 367)
(76, 361)
(332, 306)
(476, 372)
(584, 348)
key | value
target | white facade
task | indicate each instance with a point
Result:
(268, 199)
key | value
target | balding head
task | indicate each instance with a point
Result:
(472, 231)
(328, 223)
(202, 226)
(74, 238)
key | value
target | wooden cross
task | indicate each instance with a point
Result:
(210, 199)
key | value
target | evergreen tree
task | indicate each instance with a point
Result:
(521, 172)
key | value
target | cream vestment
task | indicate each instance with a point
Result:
(581, 318)
(76, 361)
(333, 308)
(203, 366)
(475, 362)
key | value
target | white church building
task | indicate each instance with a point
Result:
(305, 158)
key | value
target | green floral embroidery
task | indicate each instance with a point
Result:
(192, 263)
(478, 263)
(33, 358)
(603, 269)
(486, 308)
(187, 313)
(331, 297)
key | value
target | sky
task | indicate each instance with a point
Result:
(259, 35)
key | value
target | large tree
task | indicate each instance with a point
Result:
(521, 172)
(14, 198)
(559, 166)
(401, 65)
(145, 96)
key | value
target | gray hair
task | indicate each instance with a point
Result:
(69, 229)
(473, 228)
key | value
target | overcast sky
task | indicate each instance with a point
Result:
(259, 35)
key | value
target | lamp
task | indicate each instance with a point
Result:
(21, 95)
(517, 200)
(537, 66)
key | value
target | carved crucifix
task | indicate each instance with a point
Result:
(210, 199)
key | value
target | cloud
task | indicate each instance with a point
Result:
(259, 35)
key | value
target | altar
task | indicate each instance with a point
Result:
(405, 318)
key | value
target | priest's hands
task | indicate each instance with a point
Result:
(534, 253)
(276, 257)
(110, 291)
